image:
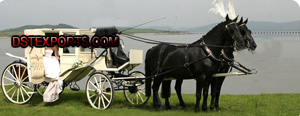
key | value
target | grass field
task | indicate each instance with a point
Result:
(75, 104)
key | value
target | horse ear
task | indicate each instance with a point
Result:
(236, 19)
(246, 21)
(241, 21)
(227, 18)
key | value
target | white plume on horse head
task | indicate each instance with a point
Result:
(220, 9)
(298, 2)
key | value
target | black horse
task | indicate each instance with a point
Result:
(216, 83)
(192, 61)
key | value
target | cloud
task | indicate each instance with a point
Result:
(1, 1)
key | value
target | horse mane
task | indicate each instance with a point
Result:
(212, 33)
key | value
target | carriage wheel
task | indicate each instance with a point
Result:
(15, 83)
(99, 91)
(136, 94)
(41, 88)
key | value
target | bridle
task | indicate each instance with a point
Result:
(245, 37)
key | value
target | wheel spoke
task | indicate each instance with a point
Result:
(9, 84)
(106, 93)
(137, 98)
(25, 91)
(95, 100)
(22, 94)
(105, 98)
(142, 92)
(18, 95)
(92, 96)
(19, 72)
(140, 96)
(99, 103)
(15, 72)
(104, 106)
(9, 79)
(11, 75)
(103, 83)
(97, 82)
(92, 90)
(23, 74)
(27, 87)
(24, 78)
(100, 82)
(13, 93)
(92, 84)
(132, 98)
(10, 89)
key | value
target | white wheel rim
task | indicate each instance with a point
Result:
(99, 93)
(138, 97)
(15, 84)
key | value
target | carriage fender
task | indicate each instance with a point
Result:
(92, 72)
(18, 57)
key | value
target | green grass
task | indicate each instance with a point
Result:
(75, 104)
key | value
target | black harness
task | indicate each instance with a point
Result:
(188, 63)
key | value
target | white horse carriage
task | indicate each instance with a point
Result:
(25, 77)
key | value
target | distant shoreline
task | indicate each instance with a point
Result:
(4, 37)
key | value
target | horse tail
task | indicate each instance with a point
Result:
(148, 74)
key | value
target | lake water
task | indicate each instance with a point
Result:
(276, 59)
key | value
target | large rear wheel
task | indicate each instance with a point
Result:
(135, 94)
(99, 91)
(15, 83)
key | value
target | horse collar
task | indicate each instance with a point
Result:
(208, 52)
(226, 57)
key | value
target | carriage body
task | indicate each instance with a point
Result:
(95, 66)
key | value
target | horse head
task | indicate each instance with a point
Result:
(246, 33)
(234, 35)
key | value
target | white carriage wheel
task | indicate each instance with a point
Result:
(99, 91)
(15, 83)
(136, 94)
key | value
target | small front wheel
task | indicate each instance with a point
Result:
(136, 94)
(99, 91)
(15, 83)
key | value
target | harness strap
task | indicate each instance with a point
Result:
(158, 69)
(208, 51)
(174, 68)
(186, 57)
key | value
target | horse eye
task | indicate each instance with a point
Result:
(243, 32)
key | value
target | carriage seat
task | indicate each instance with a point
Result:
(118, 56)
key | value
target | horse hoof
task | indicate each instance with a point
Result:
(218, 109)
(168, 108)
(204, 109)
(158, 108)
(197, 110)
(212, 108)
(183, 105)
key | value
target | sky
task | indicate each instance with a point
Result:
(126, 13)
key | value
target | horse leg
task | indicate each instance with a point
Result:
(155, 88)
(166, 93)
(199, 85)
(178, 91)
(205, 96)
(218, 92)
(213, 87)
